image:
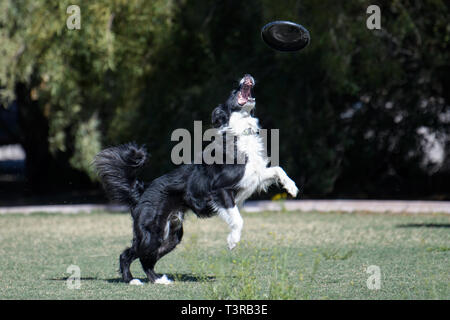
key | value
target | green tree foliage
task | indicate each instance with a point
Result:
(350, 107)
(79, 79)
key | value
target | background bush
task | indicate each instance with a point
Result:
(352, 108)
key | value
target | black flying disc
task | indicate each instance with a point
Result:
(285, 36)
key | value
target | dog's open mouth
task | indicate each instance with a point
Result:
(245, 92)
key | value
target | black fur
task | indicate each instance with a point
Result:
(117, 168)
(199, 187)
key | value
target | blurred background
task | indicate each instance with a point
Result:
(363, 114)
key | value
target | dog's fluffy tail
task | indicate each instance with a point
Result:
(117, 168)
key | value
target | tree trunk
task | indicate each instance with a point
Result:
(34, 139)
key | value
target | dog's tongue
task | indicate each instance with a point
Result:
(244, 94)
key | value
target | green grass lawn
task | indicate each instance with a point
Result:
(285, 255)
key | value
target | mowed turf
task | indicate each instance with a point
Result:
(284, 255)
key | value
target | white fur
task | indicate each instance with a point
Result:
(234, 220)
(136, 282)
(166, 229)
(173, 216)
(257, 176)
(163, 280)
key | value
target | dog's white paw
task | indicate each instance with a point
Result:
(163, 280)
(232, 241)
(291, 188)
(136, 282)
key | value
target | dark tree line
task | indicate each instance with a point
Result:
(362, 113)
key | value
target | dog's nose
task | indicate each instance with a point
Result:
(247, 79)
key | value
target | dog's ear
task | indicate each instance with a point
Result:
(219, 117)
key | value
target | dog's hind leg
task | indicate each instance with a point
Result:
(149, 255)
(148, 264)
(173, 234)
(168, 245)
(126, 258)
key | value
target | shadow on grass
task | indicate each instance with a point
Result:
(189, 277)
(178, 277)
(65, 278)
(424, 225)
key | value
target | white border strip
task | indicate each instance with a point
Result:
(394, 206)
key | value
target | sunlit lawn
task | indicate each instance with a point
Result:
(285, 255)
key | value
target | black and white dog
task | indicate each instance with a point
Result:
(158, 208)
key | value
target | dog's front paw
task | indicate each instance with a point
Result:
(291, 188)
(232, 241)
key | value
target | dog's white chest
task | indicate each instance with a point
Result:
(250, 146)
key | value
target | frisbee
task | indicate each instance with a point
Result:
(285, 36)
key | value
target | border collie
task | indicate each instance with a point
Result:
(158, 208)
